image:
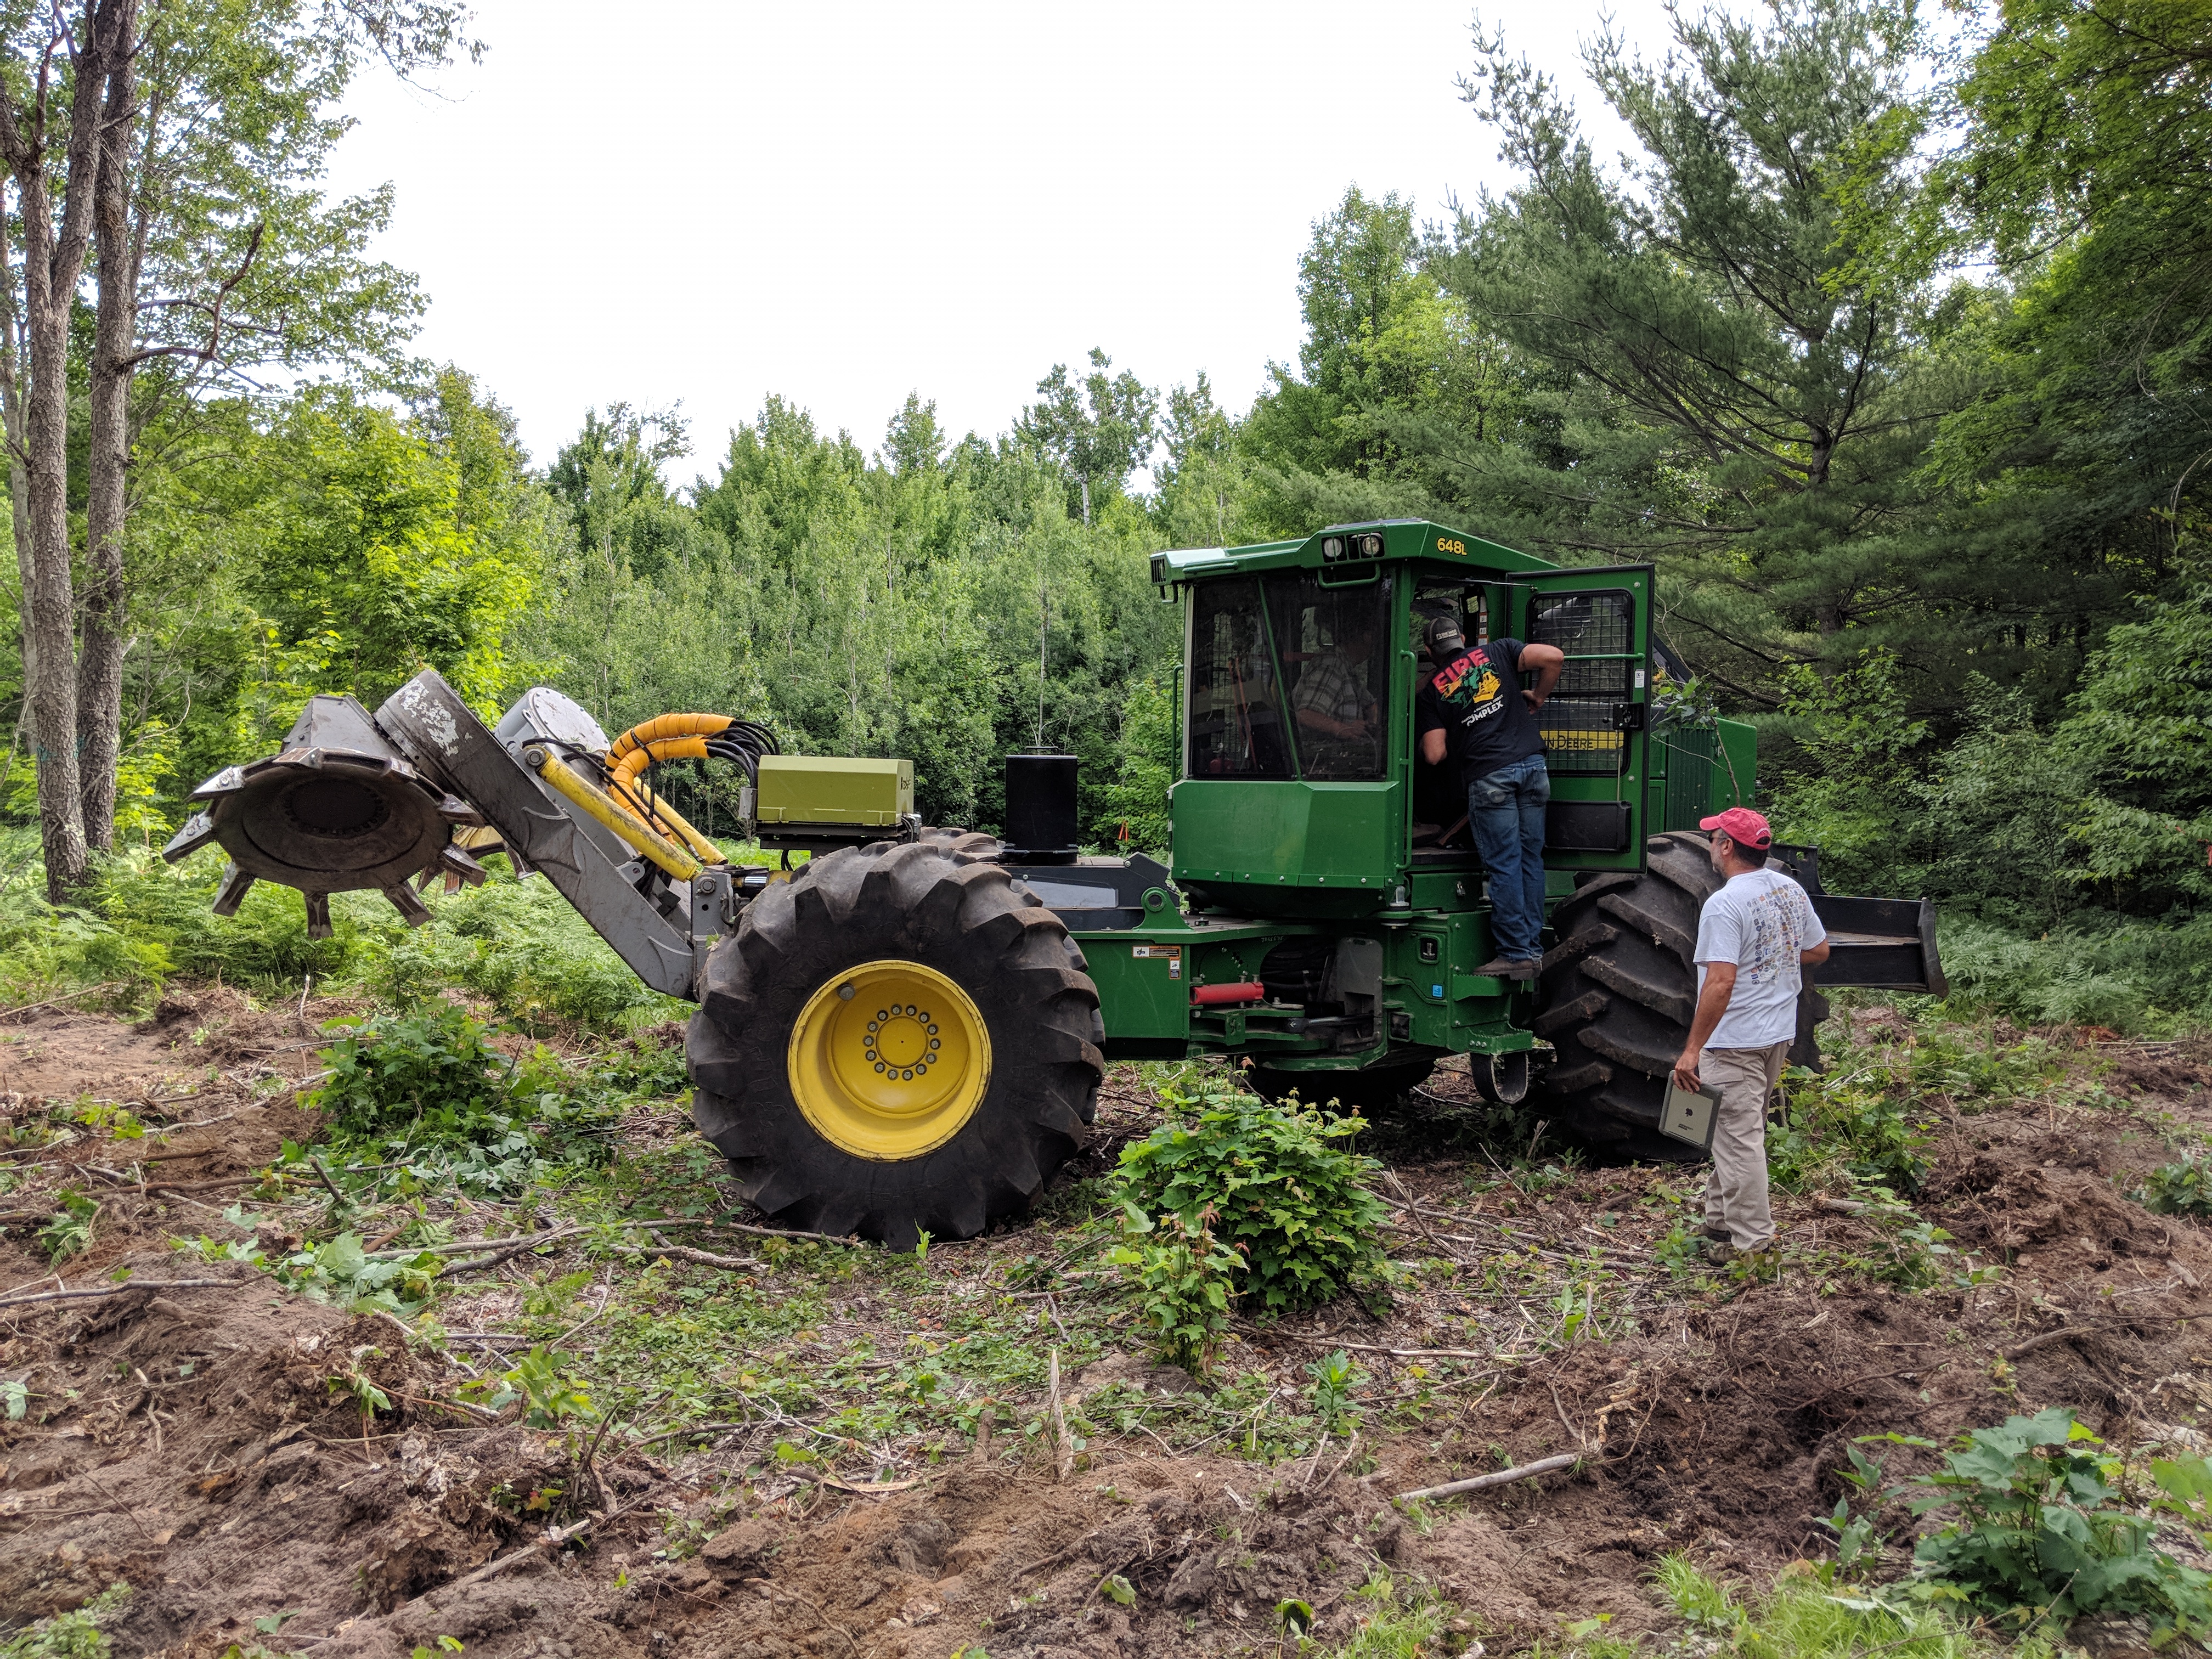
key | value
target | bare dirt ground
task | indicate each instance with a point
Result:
(191, 1442)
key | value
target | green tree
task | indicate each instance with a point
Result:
(609, 480)
(1732, 385)
(1199, 490)
(2142, 728)
(2082, 159)
(180, 144)
(1394, 387)
(371, 564)
(1097, 432)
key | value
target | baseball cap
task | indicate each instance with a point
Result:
(1742, 826)
(1442, 635)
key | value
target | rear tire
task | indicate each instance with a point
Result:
(1619, 990)
(766, 1043)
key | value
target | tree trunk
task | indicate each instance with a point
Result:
(107, 612)
(54, 261)
(49, 602)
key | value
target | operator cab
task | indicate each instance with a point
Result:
(1303, 791)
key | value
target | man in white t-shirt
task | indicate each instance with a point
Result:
(1755, 937)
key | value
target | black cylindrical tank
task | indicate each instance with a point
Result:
(1041, 809)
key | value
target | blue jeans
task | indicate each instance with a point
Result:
(1505, 810)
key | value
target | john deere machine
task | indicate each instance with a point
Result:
(906, 1030)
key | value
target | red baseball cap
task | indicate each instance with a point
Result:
(1742, 826)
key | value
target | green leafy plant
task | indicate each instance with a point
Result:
(1185, 1281)
(1679, 1250)
(2036, 1533)
(70, 1232)
(1335, 1380)
(427, 1090)
(1289, 1196)
(339, 1271)
(431, 1074)
(354, 1384)
(1860, 1119)
(549, 1398)
(76, 1634)
(1335, 1377)
(2181, 1187)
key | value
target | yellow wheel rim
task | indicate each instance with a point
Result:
(889, 1059)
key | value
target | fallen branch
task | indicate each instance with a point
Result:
(493, 1258)
(773, 1233)
(1063, 1453)
(1503, 1477)
(330, 1185)
(462, 1246)
(117, 1290)
(2065, 1331)
(1413, 1210)
(1370, 1347)
(224, 1181)
(55, 1002)
(704, 1258)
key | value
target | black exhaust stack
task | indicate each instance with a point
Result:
(1040, 815)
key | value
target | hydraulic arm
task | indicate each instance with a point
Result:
(353, 801)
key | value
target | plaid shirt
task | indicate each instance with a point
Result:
(1329, 687)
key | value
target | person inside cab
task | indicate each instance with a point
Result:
(1480, 702)
(1338, 714)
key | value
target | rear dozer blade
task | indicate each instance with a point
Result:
(334, 810)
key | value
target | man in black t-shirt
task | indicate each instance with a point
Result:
(1475, 700)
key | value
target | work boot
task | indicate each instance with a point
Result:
(1719, 1250)
(1718, 1234)
(1510, 968)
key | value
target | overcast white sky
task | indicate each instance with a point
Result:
(679, 200)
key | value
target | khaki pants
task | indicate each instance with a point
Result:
(1735, 1191)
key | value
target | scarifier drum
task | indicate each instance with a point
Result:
(337, 810)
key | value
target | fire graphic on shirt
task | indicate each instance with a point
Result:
(1477, 700)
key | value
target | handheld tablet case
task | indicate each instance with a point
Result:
(1690, 1115)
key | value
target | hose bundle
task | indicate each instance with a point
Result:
(691, 737)
(682, 737)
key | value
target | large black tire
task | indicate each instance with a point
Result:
(1373, 1090)
(1618, 990)
(941, 903)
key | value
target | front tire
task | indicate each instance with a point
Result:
(896, 1041)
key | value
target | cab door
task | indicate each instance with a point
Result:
(1594, 722)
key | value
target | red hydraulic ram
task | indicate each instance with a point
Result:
(1211, 996)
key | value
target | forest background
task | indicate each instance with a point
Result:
(1891, 346)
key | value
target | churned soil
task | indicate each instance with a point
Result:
(211, 1452)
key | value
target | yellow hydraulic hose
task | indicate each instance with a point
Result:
(603, 809)
(664, 736)
(655, 810)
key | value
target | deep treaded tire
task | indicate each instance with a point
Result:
(939, 902)
(1619, 990)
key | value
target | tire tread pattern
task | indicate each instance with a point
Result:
(1619, 990)
(940, 902)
